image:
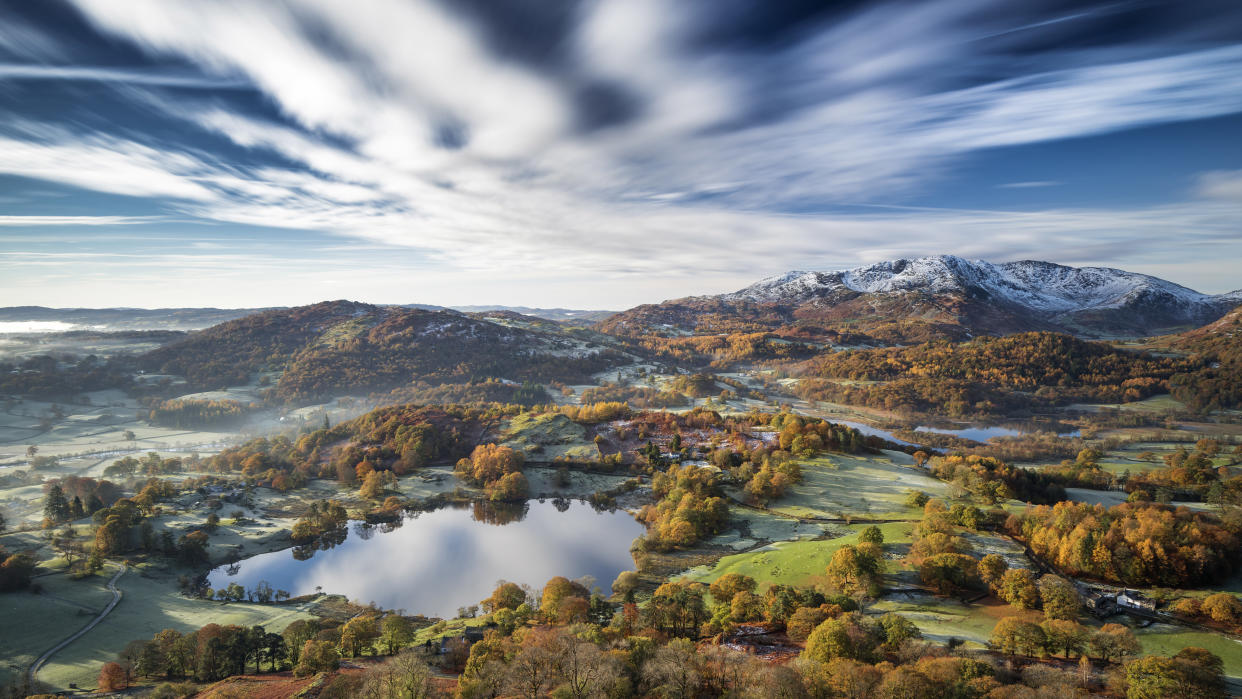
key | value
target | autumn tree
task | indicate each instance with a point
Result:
(1060, 597)
(507, 595)
(855, 571)
(1017, 587)
(1114, 642)
(1014, 635)
(113, 677)
(1222, 607)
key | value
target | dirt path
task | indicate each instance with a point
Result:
(33, 672)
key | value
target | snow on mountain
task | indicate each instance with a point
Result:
(1037, 286)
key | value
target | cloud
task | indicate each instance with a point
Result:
(1028, 185)
(1220, 184)
(404, 125)
(24, 221)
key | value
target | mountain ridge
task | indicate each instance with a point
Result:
(942, 296)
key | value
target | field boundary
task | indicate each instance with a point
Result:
(33, 672)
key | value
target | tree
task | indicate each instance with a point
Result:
(398, 632)
(316, 656)
(1060, 598)
(507, 595)
(357, 635)
(1222, 607)
(992, 568)
(897, 630)
(626, 582)
(56, 507)
(1065, 635)
(1017, 587)
(726, 586)
(674, 670)
(948, 572)
(805, 619)
(113, 677)
(404, 676)
(1114, 642)
(854, 571)
(1013, 635)
(850, 635)
(1182, 676)
(871, 534)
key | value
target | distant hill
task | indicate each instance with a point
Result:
(117, 319)
(942, 297)
(558, 314)
(341, 347)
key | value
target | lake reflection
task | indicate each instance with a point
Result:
(435, 562)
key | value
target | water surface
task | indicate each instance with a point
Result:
(436, 562)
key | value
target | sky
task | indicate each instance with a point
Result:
(602, 153)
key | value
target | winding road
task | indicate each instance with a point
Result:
(33, 672)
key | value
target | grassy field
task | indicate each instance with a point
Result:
(838, 485)
(793, 562)
(150, 603)
(1165, 639)
(942, 618)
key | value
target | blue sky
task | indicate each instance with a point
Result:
(600, 154)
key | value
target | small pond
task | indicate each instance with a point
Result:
(432, 563)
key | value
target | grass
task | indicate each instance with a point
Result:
(793, 562)
(942, 618)
(838, 486)
(150, 603)
(1164, 639)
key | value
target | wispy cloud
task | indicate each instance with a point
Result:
(1028, 184)
(626, 143)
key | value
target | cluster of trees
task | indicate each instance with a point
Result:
(595, 413)
(1217, 383)
(497, 469)
(724, 349)
(690, 507)
(987, 375)
(322, 518)
(151, 465)
(1221, 607)
(1191, 475)
(46, 376)
(992, 479)
(642, 397)
(1140, 544)
(199, 413)
(74, 497)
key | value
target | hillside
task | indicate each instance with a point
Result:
(989, 375)
(1219, 383)
(345, 347)
(937, 297)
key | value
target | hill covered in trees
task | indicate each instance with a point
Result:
(989, 374)
(335, 347)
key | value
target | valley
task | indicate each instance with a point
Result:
(317, 469)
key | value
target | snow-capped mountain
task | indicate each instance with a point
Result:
(948, 296)
(1039, 286)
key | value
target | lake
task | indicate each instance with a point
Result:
(980, 433)
(432, 563)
